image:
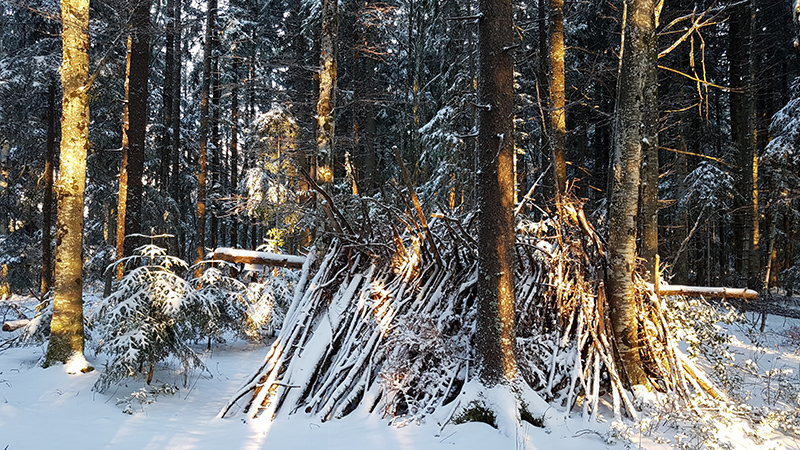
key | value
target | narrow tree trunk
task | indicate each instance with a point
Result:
(327, 92)
(558, 117)
(47, 201)
(175, 180)
(66, 328)
(624, 196)
(167, 93)
(754, 258)
(122, 195)
(234, 162)
(495, 337)
(216, 148)
(200, 226)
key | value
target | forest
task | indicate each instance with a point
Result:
(425, 203)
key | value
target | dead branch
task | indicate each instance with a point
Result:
(238, 256)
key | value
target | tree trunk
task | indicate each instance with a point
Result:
(66, 328)
(234, 162)
(47, 201)
(133, 132)
(495, 337)
(630, 114)
(200, 225)
(167, 93)
(650, 168)
(327, 92)
(558, 122)
(216, 148)
(175, 180)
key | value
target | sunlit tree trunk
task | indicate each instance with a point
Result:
(66, 328)
(558, 117)
(495, 335)
(327, 92)
(47, 201)
(133, 131)
(624, 195)
(200, 226)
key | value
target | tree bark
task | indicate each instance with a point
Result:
(133, 131)
(624, 196)
(47, 201)
(495, 197)
(558, 117)
(327, 92)
(234, 162)
(650, 167)
(200, 225)
(66, 328)
(167, 93)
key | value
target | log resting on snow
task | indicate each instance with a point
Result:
(696, 291)
(236, 256)
(12, 325)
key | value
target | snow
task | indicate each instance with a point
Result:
(43, 408)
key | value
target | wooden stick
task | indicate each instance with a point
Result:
(422, 220)
(696, 291)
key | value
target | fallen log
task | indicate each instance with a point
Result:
(15, 324)
(237, 256)
(697, 291)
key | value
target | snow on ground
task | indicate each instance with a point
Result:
(47, 408)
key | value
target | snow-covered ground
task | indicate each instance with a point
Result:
(47, 408)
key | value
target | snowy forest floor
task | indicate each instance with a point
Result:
(44, 408)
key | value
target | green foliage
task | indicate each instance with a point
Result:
(697, 322)
(154, 314)
(140, 323)
(476, 411)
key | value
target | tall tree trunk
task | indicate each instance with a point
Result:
(741, 122)
(200, 225)
(175, 180)
(216, 148)
(558, 117)
(327, 91)
(650, 168)
(133, 131)
(754, 257)
(234, 162)
(47, 202)
(630, 114)
(167, 93)
(495, 335)
(66, 328)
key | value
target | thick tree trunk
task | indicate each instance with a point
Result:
(623, 205)
(200, 225)
(650, 170)
(66, 328)
(495, 197)
(327, 92)
(134, 127)
(47, 201)
(558, 117)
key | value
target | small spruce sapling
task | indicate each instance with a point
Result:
(139, 324)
